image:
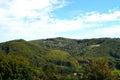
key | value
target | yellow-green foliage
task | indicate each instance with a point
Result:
(13, 67)
(98, 70)
(58, 55)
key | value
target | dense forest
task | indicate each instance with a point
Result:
(60, 59)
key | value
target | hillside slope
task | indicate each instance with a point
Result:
(101, 47)
(26, 49)
(60, 59)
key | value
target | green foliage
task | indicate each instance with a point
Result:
(58, 55)
(13, 67)
(21, 47)
(60, 59)
(26, 49)
(98, 70)
(104, 47)
(117, 72)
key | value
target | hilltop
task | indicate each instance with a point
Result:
(60, 58)
(100, 47)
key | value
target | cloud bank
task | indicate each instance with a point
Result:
(34, 19)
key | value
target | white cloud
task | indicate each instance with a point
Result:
(29, 8)
(109, 30)
(28, 18)
(113, 31)
(97, 17)
(33, 19)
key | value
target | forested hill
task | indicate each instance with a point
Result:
(100, 47)
(60, 59)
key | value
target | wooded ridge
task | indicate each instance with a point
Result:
(60, 59)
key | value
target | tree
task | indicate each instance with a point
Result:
(13, 67)
(98, 70)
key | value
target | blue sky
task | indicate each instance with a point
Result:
(40, 19)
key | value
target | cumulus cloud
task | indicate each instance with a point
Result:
(34, 19)
(97, 17)
(23, 18)
(113, 31)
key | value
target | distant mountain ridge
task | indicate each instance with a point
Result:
(87, 47)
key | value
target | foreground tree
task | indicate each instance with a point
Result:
(98, 70)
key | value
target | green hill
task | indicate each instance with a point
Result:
(26, 49)
(60, 59)
(102, 47)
